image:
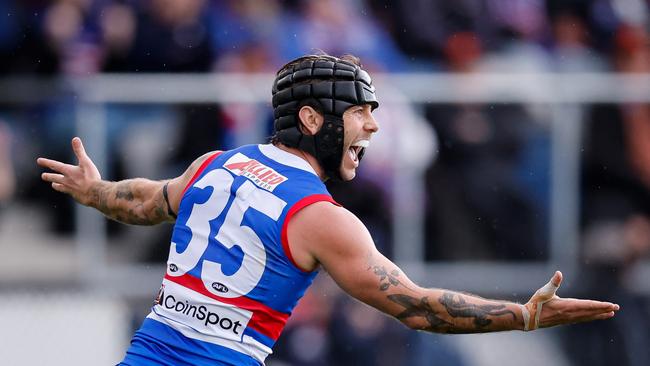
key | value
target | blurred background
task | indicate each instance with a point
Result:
(515, 141)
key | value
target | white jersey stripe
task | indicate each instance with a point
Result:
(286, 158)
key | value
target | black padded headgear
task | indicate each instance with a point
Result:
(331, 86)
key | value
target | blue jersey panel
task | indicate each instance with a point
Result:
(230, 283)
(171, 348)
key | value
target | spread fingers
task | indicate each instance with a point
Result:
(60, 187)
(599, 316)
(57, 166)
(53, 177)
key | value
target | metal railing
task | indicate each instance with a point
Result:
(564, 94)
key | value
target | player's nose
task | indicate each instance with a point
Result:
(371, 124)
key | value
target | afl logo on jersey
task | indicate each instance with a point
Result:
(173, 267)
(218, 286)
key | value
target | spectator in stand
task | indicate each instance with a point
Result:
(421, 28)
(340, 27)
(24, 48)
(245, 34)
(571, 49)
(476, 197)
(157, 36)
(118, 30)
(616, 214)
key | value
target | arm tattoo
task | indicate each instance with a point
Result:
(454, 307)
(462, 309)
(420, 308)
(130, 201)
(124, 193)
(99, 197)
(386, 279)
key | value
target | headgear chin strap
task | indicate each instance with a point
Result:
(331, 86)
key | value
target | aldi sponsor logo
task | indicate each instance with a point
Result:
(263, 176)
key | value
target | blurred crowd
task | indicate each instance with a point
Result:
(88, 36)
(487, 180)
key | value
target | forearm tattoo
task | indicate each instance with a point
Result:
(455, 308)
(130, 201)
(462, 309)
(421, 308)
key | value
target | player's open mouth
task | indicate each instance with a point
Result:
(357, 149)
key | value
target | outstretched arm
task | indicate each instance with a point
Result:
(350, 257)
(136, 201)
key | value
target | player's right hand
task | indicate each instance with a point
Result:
(546, 309)
(75, 180)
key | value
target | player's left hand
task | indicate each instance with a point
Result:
(546, 309)
(75, 180)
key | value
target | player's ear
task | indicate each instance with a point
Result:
(310, 120)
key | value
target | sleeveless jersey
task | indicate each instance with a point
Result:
(231, 282)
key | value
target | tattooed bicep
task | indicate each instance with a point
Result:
(386, 278)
